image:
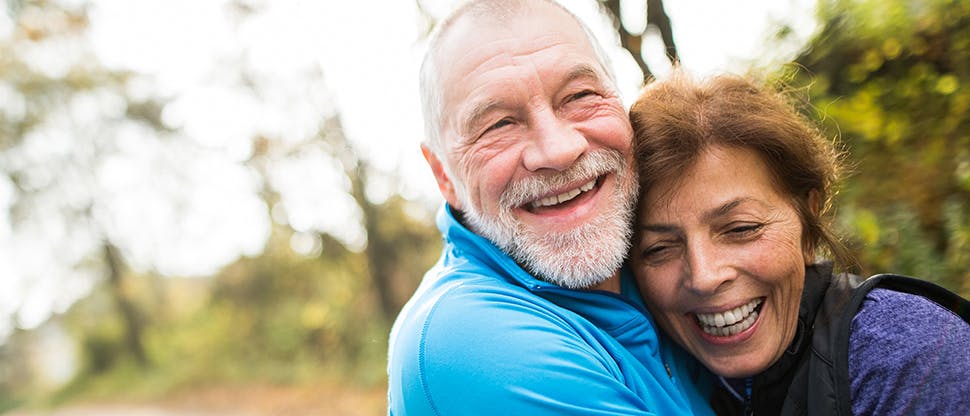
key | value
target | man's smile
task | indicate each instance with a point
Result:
(561, 198)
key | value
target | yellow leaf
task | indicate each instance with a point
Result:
(867, 226)
(891, 48)
(947, 84)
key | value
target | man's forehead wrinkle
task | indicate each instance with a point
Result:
(512, 59)
(467, 120)
(475, 46)
(506, 51)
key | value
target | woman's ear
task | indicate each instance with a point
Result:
(445, 184)
(814, 202)
(814, 209)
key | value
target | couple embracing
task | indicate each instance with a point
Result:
(666, 261)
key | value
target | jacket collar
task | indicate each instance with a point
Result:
(608, 310)
(771, 386)
(467, 243)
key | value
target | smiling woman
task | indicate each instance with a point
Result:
(722, 223)
(735, 187)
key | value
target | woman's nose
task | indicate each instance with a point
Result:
(708, 269)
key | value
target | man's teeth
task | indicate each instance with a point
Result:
(565, 196)
(730, 322)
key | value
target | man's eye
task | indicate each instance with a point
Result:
(582, 94)
(499, 124)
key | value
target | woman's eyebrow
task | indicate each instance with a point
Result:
(722, 209)
(707, 217)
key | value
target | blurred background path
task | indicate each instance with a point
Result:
(239, 401)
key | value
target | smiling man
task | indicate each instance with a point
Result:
(527, 311)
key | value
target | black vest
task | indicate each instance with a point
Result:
(812, 377)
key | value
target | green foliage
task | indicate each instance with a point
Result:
(891, 78)
(279, 318)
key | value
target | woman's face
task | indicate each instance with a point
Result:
(720, 262)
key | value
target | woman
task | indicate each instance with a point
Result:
(735, 188)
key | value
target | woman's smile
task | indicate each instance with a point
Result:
(729, 323)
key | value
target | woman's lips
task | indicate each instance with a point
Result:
(730, 322)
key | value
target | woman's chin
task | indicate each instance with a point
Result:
(735, 371)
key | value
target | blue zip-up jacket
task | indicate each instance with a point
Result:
(482, 336)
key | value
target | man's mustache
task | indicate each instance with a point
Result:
(589, 166)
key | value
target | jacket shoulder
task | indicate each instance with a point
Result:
(850, 300)
(901, 342)
(482, 347)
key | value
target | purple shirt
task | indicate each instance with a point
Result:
(908, 356)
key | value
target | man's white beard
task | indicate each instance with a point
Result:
(580, 258)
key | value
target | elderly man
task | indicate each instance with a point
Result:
(527, 312)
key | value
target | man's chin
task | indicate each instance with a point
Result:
(575, 256)
(571, 261)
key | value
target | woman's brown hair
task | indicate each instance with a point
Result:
(677, 119)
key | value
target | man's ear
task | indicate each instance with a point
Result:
(445, 185)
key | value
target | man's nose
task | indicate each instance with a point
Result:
(554, 144)
(708, 269)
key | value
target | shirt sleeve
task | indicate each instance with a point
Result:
(908, 355)
(489, 355)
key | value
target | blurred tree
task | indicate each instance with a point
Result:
(317, 311)
(400, 241)
(95, 186)
(399, 246)
(632, 41)
(72, 131)
(133, 319)
(15, 374)
(56, 128)
(892, 78)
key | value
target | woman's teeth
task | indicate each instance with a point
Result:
(565, 196)
(723, 324)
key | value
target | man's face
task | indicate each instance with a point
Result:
(537, 144)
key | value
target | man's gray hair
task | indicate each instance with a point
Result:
(497, 10)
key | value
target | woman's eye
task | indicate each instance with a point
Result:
(745, 229)
(657, 253)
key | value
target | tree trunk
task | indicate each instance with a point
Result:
(633, 42)
(132, 321)
(657, 17)
(379, 263)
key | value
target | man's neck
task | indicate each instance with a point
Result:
(612, 284)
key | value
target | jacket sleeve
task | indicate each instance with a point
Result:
(908, 355)
(495, 353)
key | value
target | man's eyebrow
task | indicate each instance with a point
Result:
(581, 71)
(478, 112)
(481, 109)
